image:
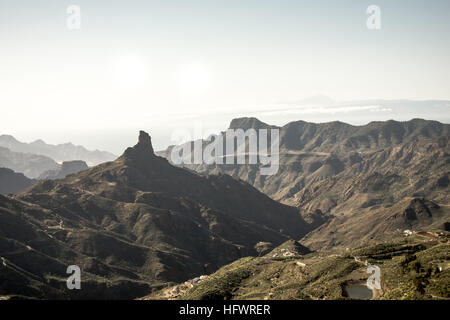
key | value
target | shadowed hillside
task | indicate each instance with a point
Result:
(13, 182)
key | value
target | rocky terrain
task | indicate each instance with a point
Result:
(133, 225)
(358, 183)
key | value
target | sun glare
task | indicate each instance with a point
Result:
(193, 78)
(129, 71)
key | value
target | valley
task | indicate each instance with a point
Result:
(411, 268)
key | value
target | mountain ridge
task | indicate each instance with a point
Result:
(60, 152)
(337, 172)
(29, 164)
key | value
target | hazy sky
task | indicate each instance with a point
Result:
(157, 65)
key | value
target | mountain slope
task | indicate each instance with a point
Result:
(13, 182)
(34, 257)
(144, 221)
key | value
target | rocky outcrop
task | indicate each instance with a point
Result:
(66, 168)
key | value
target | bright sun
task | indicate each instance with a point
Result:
(129, 71)
(193, 78)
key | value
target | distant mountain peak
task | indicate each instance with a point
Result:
(7, 138)
(248, 123)
(39, 142)
(59, 152)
